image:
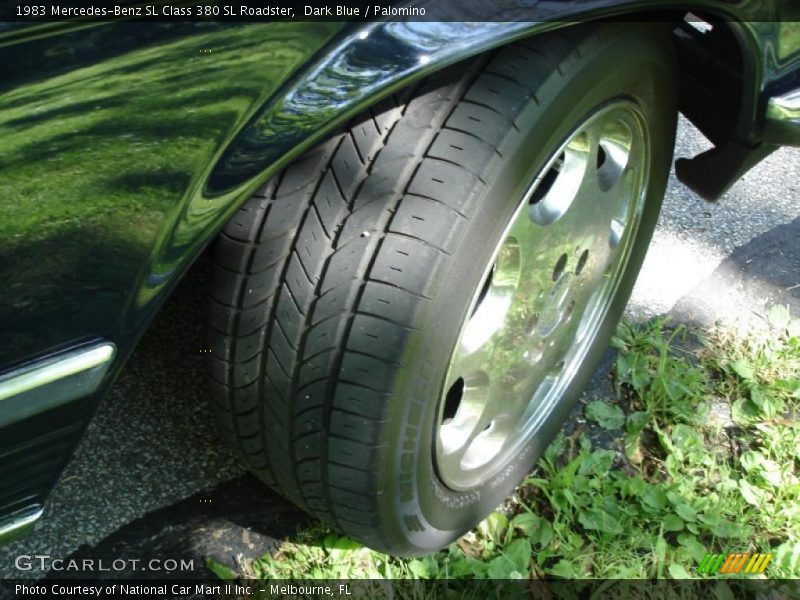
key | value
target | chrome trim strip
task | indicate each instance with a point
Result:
(18, 525)
(785, 107)
(782, 124)
(71, 363)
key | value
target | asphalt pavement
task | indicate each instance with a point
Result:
(152, 478)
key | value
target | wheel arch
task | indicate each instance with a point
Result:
(370, 62)
(366, 63)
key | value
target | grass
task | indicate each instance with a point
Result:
(705, 457)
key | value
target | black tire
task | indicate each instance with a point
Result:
(339, 290)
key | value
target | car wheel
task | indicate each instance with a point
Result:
(402, 320)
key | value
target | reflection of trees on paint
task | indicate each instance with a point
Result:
(790, 39)
(93, 158)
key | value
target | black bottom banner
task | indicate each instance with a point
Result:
(718, 589)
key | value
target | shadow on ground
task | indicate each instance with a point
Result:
(762, 273)
(235, 519)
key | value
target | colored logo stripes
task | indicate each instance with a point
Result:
(734, 562)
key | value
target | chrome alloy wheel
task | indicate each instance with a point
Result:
(544, 296)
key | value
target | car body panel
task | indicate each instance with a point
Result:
(125, 147)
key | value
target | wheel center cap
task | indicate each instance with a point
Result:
(555, 305)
